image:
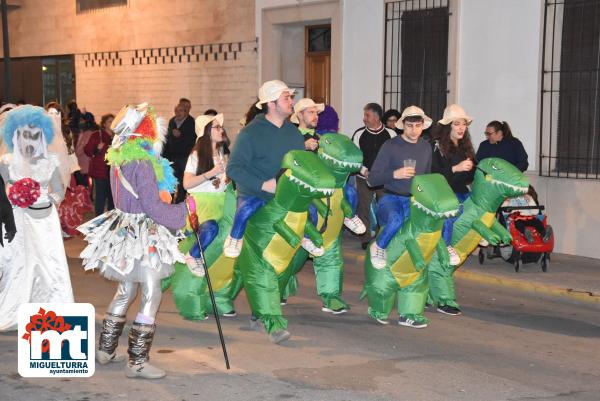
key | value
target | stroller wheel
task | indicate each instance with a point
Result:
(481, 256)
(544, 262)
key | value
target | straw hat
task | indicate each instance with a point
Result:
(271, 90)
(414, 111)
(455, 112)
(303, 104)
(204, 120)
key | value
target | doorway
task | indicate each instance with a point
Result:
(317, 62)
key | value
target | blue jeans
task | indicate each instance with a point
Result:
(449, 223)
(392, 211)
(247, 205)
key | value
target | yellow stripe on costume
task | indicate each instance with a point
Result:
(469, 242)
(221, 272)
(403, 269)
(279, 253)
(334, 220)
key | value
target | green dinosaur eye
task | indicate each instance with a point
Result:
(327, 142)
(419, 188)
(296, 163)
(495, 167)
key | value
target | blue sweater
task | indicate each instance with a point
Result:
(258, 152)
(391, 157)
(509, 149)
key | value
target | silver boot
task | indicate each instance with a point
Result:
(140, 342)
(112, 327)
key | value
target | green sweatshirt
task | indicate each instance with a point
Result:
(258, 152)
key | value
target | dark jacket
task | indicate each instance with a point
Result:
(443, 164)
(509, 149)
(6, 214)
(180, 148)
(98, 166)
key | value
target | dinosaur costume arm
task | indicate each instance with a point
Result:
(501, 232)
(442, 253)
(286, 233)
(486, 233)
(311, 232)
(347, 208)
(321, 207)
(414, 251)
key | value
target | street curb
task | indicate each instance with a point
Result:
(544, 289)
(517, 284)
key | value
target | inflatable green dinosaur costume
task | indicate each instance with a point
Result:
(495, 180)
(409, 252)
(274, 234)
(342, 157)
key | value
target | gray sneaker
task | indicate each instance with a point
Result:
(144, 371)
(257, 325)
(280, 336)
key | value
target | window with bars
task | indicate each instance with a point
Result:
(416, 55)
(570, 98)
(86, 6)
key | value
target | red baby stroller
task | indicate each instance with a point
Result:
(532, 241)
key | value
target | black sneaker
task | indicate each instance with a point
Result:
(404, 321)
(364, 245)
(283, 302)
(449, 310)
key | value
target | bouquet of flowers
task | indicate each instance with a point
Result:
(24, 193)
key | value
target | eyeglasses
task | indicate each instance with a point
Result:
(486, 133)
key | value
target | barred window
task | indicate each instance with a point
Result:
(416, 55)
(86, 6)
(570, 99)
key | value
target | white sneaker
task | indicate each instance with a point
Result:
(195, 266)
(378, 256)
(483, 243)
(144, 371)
(355, 225)
(311, 248)
(454, 258)
(232, 247)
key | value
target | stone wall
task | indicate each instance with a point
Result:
(155, 51)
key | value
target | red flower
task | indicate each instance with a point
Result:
(24, 192)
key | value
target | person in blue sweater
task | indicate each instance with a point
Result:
(398, 161)
(501, 143)
(257, 155)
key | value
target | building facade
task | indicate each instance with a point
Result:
(499, 59)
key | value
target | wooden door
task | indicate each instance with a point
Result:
(317, 63)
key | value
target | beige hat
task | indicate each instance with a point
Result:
(414, 111)
(303, 104)
(202, 121)
(455, 112)
(271, 90)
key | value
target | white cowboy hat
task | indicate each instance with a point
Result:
(271, 90)
(204, 120)
(304, 104)
(455, 112)
(414, 111)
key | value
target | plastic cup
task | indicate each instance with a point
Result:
(412, 163)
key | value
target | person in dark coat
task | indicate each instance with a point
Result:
(6, 216)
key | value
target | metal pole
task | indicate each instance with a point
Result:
(6, 47)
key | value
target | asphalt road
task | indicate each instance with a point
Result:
(508, 346)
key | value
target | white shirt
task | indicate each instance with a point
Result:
(207, 186)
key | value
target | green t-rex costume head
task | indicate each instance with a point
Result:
(340, 155)
(495, 180)
(305, 178)
(410, 251)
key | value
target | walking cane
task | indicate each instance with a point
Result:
(210, 291)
